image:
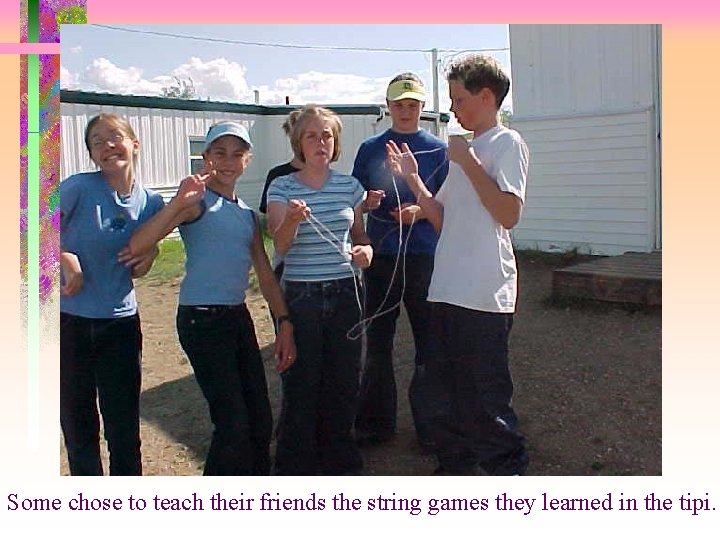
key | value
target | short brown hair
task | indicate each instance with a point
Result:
(407, 76)
(119, 122)
(478, 71)
(310, 112)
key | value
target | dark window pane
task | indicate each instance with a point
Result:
(196, 165)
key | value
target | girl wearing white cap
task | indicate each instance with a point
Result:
(222, 239)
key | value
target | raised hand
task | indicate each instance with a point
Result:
(192, 188)
(400, 160)
(459, 150)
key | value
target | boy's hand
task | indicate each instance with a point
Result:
(373, 199)
(407, 214)
(400, 160)
(459, 150)
(297, 211)
(362, 255)
(72, 274)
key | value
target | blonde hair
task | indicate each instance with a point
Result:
(290, 121)
(305, 115)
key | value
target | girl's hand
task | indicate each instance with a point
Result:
(139, 264)
(362, 255)
(297, 211)
(285, 351)
(72, 274)
(192, 189)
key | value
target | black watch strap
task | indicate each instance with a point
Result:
(282, 318)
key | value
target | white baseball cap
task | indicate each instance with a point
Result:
(226, 128)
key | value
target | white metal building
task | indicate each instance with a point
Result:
(587, 100)
(171, 132)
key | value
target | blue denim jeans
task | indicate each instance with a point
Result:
(320, 389)
(222, 348)
(472, 379)
(377, 412)
(100, 363)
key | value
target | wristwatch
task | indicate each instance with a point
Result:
(283, 318)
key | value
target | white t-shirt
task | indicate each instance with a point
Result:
(474, 261)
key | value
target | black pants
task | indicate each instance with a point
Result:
(471, 382)
(221, 345)
(100, 363)
(377, 412)
(320, 389)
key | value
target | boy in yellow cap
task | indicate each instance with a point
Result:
(393, 217)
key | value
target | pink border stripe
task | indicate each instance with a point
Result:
(465, 11)
(29, 48)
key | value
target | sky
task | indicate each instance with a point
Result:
(141, 62)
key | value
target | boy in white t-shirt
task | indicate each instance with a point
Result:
(474, 282)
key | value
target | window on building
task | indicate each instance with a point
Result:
(197, 143)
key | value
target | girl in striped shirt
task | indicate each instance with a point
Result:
(315, 216)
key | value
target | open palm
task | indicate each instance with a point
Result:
(400, 160)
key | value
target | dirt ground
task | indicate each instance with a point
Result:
(587, 377)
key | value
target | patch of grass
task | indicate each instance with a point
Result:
(170, 263)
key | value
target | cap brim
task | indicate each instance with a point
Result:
(417, 96)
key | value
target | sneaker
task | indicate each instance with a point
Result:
(513, 464)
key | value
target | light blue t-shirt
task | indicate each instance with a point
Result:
(95, 224)
(312, 257)
(218, 249)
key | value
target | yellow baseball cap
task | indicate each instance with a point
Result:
(405, 89)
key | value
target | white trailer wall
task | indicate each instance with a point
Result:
(584, 99)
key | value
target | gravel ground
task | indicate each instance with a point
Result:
(588, 387)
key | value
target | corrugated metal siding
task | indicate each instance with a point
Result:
(164, 157)
(562, 69)
(591, 184)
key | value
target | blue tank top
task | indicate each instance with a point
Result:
(218, 250)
